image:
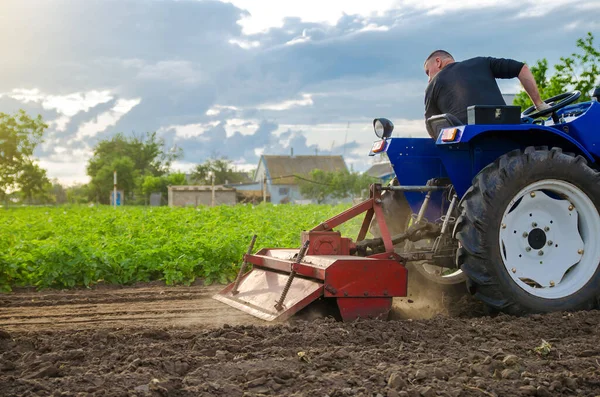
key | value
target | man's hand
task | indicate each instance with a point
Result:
(528, 81)
(542, 106)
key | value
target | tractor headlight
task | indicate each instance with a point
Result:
(378, 129)
(383, 128)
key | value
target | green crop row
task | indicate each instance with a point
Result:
(62, 247)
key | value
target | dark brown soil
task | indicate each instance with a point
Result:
(160, 341)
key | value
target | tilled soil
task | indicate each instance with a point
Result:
(160, 341)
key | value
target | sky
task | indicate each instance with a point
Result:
(241, 78)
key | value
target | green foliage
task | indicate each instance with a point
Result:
(580, 71)
(335, 184)
(133, 158)
(19, 136)
(78, 194)
(221, 168)
(35, 187)
(62, 247)
(58, 192)
(160, 184)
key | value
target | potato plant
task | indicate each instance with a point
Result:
(63, 247)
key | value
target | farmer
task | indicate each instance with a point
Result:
(454, 86)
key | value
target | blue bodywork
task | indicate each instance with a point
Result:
(417, 160)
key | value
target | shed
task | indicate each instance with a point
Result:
(193, 196)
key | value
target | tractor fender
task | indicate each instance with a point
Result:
(524, 135)
(476, 146)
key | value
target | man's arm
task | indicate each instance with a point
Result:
(528, 81)
(431, 108)
(509, 68)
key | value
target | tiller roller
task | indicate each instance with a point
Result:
(362, 276)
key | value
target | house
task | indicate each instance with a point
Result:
(383, 171)
(279, 174)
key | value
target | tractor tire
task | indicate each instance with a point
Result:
(528, 233)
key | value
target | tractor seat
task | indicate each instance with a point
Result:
(436, 123)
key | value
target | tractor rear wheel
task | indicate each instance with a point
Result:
(529, 230)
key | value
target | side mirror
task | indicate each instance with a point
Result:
(383, 128)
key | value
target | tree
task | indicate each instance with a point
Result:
(160, 184)
(19, 136)
(336, 184)
(580, 71)
(78, 194)
(58, 192)
(102, 184)
(34, 183)
(133, 158)
(318, 186)
(222, 170)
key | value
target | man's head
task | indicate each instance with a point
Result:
(436, 61)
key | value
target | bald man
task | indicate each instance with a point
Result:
(454, 86)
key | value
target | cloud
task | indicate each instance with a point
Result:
(106, 119)
(68, 105)
(285, 105)
(310, 75)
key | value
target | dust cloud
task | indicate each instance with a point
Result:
(426, 299)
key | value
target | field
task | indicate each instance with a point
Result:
(62, 247)
(159, 339)
(155, 340)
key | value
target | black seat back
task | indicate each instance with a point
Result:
(436, 123)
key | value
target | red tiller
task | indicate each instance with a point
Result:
(283, 280)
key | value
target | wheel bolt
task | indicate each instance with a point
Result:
(527, 249)
(514, 270)
(571, 207)
(540, 252)
(552, 283)
(546, 229)
(503, 226)
(580, 252)
(525, 234)
(550, 243)
(532, 194)
(534, 224)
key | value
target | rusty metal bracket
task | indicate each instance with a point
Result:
(234, 291)
(288, 284)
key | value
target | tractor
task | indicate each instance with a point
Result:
(507, 204)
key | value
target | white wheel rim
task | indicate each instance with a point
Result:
(568, 225)
(437, 271)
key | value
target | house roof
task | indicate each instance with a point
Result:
(282, 168)
(380, 169)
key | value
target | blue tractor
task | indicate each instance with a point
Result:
(512, 201)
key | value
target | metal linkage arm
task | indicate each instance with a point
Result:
(414, 233)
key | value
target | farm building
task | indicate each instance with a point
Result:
(383, 171)
(279, 171)
(186, 196)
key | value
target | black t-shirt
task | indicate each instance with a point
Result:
(470, 82)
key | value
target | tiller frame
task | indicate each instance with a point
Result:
(283, 281)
